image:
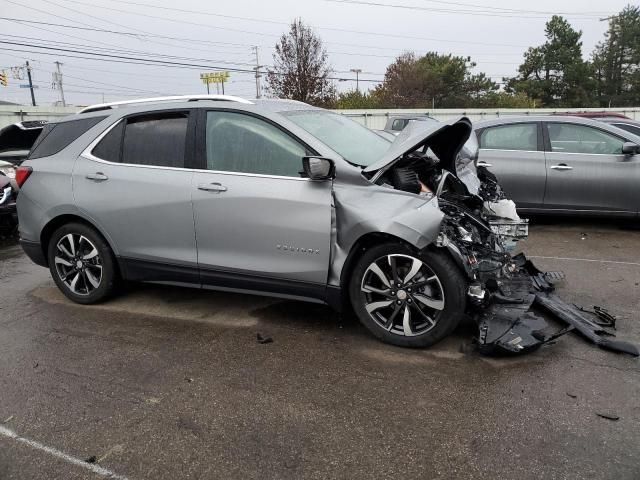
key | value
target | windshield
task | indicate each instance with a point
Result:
(354, 142)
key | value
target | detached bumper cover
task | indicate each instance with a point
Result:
(510, 324)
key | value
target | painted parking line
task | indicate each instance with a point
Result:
(585, 260)
(61, 455)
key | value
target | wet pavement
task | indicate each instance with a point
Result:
(166, 382)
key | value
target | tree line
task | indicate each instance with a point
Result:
(553, 74)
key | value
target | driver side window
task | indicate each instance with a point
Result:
(236, 142)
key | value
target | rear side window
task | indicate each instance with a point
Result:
(572, 138)
(519, 136)
(155, 140)
(58, 136)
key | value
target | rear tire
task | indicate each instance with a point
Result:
(418, 305)
(82, 264)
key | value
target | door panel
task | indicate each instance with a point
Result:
(275, 227)
(145, 211)
(254, 214)
(133, 183)
(578, 179)
(592, 182)
(511, 153)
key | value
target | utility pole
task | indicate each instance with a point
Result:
(57, 82)
(258, 74)
(33, 97)
(357, 71)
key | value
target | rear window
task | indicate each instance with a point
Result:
(58, 136)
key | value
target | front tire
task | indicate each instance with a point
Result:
(407, 297)
(82, 264)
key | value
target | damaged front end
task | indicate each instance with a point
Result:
(480, 229)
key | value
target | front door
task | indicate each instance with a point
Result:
(135, 186)
(587, 171)
(514, 155)
(259, 224)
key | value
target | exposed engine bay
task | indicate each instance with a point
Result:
(506, 294)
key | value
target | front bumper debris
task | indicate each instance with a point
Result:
(510, 320)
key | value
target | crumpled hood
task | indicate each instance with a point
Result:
(445, 139)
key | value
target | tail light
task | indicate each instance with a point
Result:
(22, 173)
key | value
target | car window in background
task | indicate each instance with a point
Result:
(629, 128)
(56, 136)
(519, 136)
(157, 139)
(572, 138)
(236, 142)
(355, 142)
(399, 124)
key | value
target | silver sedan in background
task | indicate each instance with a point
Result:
(563, 164)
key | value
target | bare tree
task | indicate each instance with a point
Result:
(300, 70)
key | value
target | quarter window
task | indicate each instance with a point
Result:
(237, 142)
(110, 147)
(519, 136)
(571, 138)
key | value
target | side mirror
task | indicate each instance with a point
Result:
(318, 168)
(630, 148)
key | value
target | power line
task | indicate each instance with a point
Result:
(359, 32)
(515, 10)
(484, 13)
(129, 34)
(116, 24)
(135, 60)
(126, 51)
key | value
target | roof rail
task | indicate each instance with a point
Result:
(174, 98)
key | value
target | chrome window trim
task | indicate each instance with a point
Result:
(583, 154)
(549, 151)
(505, 150)
(87, 154)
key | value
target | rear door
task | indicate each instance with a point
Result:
(135, 183)
(514, 153)
(587, 171)
(258, 222)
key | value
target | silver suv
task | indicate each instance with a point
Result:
(271, 197)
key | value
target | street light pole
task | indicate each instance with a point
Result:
(357, 71)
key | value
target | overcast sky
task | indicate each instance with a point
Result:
(365, 34)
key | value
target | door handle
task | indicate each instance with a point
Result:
(484, 164)
(97, 177)
(562, 166)
(212, 187)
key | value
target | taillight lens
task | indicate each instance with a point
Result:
(22, 173)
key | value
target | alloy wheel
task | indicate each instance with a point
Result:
(402, 295)
(78, 264)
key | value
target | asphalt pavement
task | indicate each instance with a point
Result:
(170, 383)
